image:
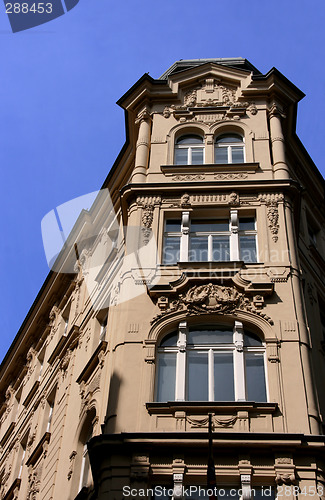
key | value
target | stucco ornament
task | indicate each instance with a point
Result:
(272, 203)
(212, 298)
(210, 102)
(285, 479)
(34, 483)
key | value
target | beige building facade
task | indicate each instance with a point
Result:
(194, 286)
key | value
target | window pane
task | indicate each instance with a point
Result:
(237, 155)
(220, 248)
(166, 377)
(189, 139)
(197, 156)
(198, 249)
(252, 340)
(197, 376)
(171, 249)
(181, 156)
(221, 155)
(246, 223)
(229, 138)
(224, 377)
(247, 248)
(210, 336)
(209, 226)
(173, 226)
(255, 377)
(169, 340)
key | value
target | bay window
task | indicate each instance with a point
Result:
(191, 239)
(211, 363)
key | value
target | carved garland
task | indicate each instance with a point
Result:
(211, 298)
(148, 204)
(272, 202)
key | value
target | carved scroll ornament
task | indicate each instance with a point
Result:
(212, 298)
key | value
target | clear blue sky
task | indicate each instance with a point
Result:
(61, 129)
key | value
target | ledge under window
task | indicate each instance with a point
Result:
(39, 449)
(208, 406)
(212, 168)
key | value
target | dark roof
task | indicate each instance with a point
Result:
(232, 62)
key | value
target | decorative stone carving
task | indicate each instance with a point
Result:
(230, 177)
(133, 328)
(233, 199)
(273, 355)
(272, 201)
(210, 102)
(212, 298)
(166, 112)
(54, 314)
(258, 301)
(66, 360)
(188, 177)
(34, 482)
(283, 460)
(185, 200)
(285, 478)
(72, 459)
(216, 421)
(147, 203)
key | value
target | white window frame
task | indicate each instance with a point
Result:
(236, 347)
(230, 146)
(234, 234)
(189, 147)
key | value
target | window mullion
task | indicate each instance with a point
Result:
(239, 366)
(184, 246)
(181, 363)
(234, 237)
(229, 154)
(211, 375)
(210, 248)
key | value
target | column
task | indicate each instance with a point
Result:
(303, 330)
(280, 167)
(142, 147)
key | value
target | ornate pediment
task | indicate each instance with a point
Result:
(212, 298)
(209, 102)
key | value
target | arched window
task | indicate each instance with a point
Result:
(229, 148)
(211, 363)
(189, 150)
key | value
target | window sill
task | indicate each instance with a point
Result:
(208, 406)
(211, 168)
(92, 363)
(13, 490)
(39, 449)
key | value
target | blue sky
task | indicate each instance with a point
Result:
(61, 129)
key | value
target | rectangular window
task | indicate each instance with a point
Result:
(197, 156)
(166, 377)
(247, 239)
(224, 377)
(255, 377)
(210, 240)
(181, 157)
(172, 240)
(197, 383)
